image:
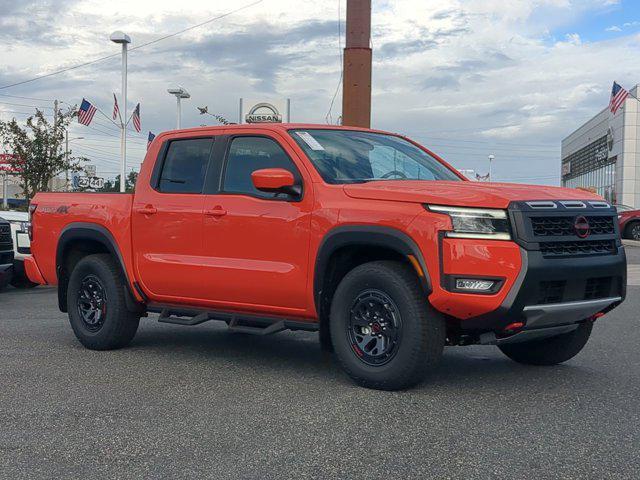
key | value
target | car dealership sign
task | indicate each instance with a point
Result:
(264, 112)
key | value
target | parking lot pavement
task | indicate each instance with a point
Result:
(200, 402)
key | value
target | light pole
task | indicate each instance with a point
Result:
(179, 93)
(123, 39)
(66, 154)
(491, 158)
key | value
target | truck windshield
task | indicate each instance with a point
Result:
(349, 156)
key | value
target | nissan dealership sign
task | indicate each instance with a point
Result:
(264, 111)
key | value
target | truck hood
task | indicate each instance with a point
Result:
(462, 194)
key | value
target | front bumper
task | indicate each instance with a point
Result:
(557, 292)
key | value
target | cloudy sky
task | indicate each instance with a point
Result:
(465, 77)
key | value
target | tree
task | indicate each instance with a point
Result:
(37, 149)
(114, 185)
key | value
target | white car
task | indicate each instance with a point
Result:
(19, 222)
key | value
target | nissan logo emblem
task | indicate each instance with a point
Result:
(582, 227)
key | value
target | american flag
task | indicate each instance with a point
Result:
(86, 112)
(150, 139)
(618, 96)
(136, 118)
(116, 109)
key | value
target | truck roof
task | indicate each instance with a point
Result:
(268, 126)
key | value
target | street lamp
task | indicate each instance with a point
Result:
(123, 39)
(491, 158)
(179, 93)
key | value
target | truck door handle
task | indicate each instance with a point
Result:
(217, 211)
(147, 210)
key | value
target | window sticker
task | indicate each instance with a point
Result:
(309, 140)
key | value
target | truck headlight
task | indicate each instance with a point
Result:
(481, 223)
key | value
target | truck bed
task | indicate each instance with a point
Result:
(56, 211)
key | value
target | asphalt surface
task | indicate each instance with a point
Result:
(200, 402)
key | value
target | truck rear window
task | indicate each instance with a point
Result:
(185, 165)
(349, 156)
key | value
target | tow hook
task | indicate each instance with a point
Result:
(513, 327)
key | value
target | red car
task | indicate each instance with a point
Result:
(629, 220)
(364, 236)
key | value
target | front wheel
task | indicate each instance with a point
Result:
(97, 308)
(385, 334)
(549, 351)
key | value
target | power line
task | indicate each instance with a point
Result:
(106, 57)
(28, 98)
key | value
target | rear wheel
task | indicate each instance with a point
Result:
(549, 351)
(385, 334)
(97, 308)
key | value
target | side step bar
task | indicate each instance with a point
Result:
(241, 323)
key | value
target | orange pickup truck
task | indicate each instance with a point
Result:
(364, 236)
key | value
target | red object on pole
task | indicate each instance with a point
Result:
(356, 86)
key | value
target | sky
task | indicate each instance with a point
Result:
(466, 78)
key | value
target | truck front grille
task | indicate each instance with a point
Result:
(563, 226)
(560, 229)
(5, 238)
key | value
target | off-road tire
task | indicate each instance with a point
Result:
(549, 351)
(120, 325)
(421, 338)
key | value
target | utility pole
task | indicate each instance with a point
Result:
(356, 86)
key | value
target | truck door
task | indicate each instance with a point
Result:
(256, 244)
(167, 220)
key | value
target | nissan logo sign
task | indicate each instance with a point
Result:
(582, 227)
(263, 113)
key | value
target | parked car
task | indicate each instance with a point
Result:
(19, 222)
(6, 254)
(629, 220)
(362, 235)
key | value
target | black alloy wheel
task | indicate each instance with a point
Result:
(92, 303)
(375, 327)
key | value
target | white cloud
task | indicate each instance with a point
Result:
(484, 71)
(613, 28)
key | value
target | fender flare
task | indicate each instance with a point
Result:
(94, 232)
(365, 235)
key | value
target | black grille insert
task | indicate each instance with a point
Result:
(597, 288)
(584, 247)
(551, 292)
(564, 226)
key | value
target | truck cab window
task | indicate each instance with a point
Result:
(185, 166)
(248, 154)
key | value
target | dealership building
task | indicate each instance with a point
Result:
(603, 155)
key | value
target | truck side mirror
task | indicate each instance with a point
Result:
(276, 180)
